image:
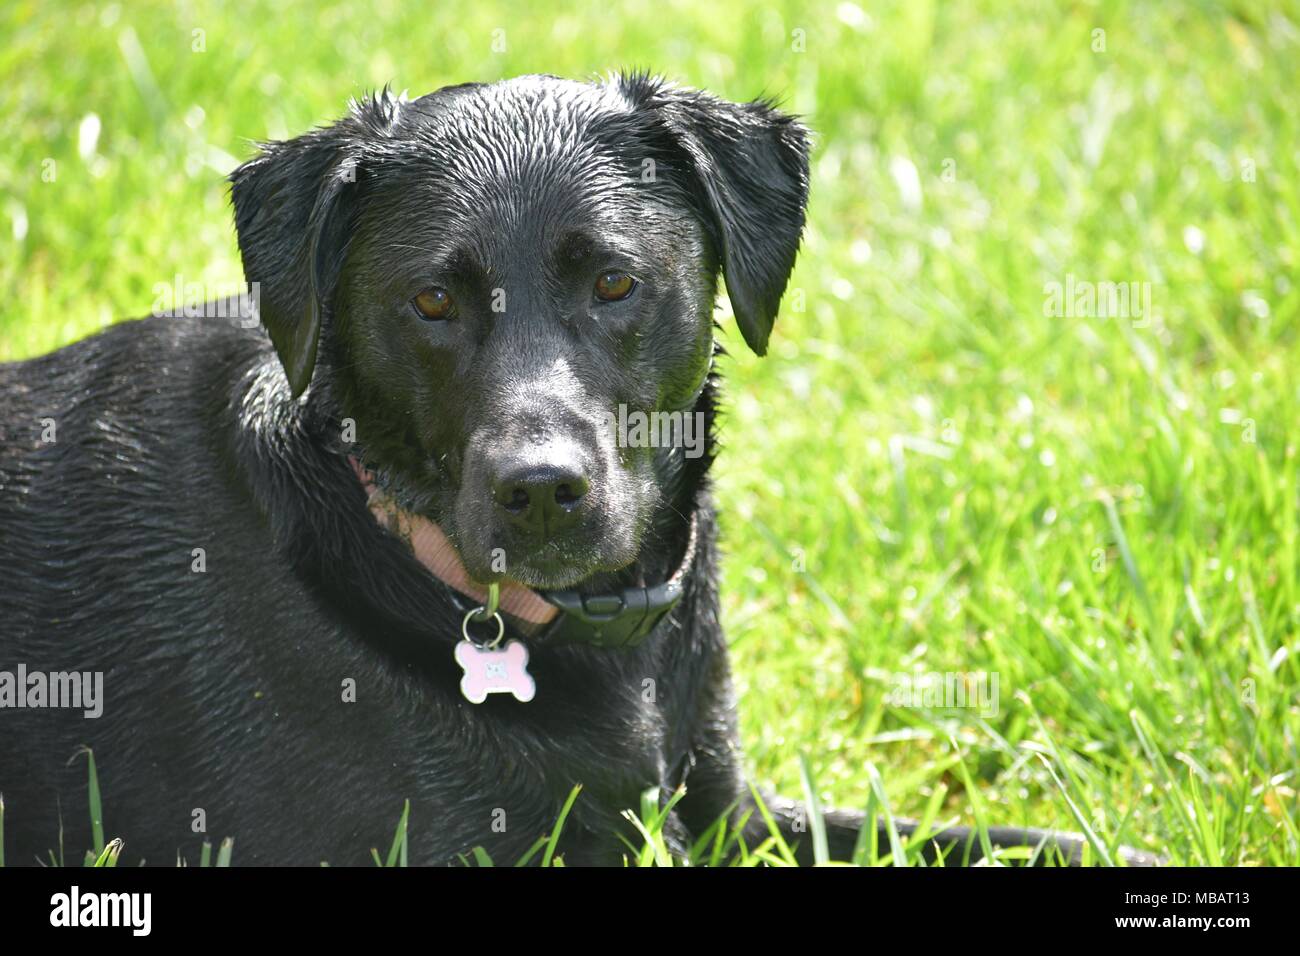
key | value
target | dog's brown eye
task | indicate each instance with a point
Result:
(433, 303)
(613, 286)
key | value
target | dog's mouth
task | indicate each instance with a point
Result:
(590, 552)
(553, 565)
(470, 561)
(550, 566)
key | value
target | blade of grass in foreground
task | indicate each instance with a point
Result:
(925, 826)
(866, 849)
(896, 849)
(650, 824)
(771, 824)
(397, 853)
(816, 822)
(714, 839)
(976, 806)
(96, 804)
(1210, 837)
(1093, 840)
(1126, 555)
(1079, 818)
(1179, 800)
(109, 857)
(533, 850)
(549, 853)
(737, 838)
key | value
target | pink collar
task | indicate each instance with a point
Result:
(620, 619)
(434, 550)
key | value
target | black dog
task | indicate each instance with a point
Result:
(457, 294)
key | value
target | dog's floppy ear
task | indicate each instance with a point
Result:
(294, 208)
(751, 166)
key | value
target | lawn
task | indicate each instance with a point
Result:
(951, 462)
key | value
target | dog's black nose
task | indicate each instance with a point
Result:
(541, 497)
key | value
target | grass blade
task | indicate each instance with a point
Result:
(816, 822)
(896, 850)
(96, 804)
(108, 858)
(548, 854)
(397, 852)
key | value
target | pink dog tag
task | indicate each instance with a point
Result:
(488, 671)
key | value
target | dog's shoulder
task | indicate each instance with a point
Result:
(127, 366)
(128, 421)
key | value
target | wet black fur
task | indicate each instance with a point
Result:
(223, 688)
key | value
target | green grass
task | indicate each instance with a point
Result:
(720, 845)
(927, 470)
(103, 854)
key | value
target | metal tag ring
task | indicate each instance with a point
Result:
(476, 613)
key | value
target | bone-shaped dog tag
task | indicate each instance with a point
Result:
(488, 671)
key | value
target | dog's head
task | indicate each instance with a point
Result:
(488, 276)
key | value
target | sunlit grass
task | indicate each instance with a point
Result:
(929, 471)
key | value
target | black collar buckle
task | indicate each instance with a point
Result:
(620, 620)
